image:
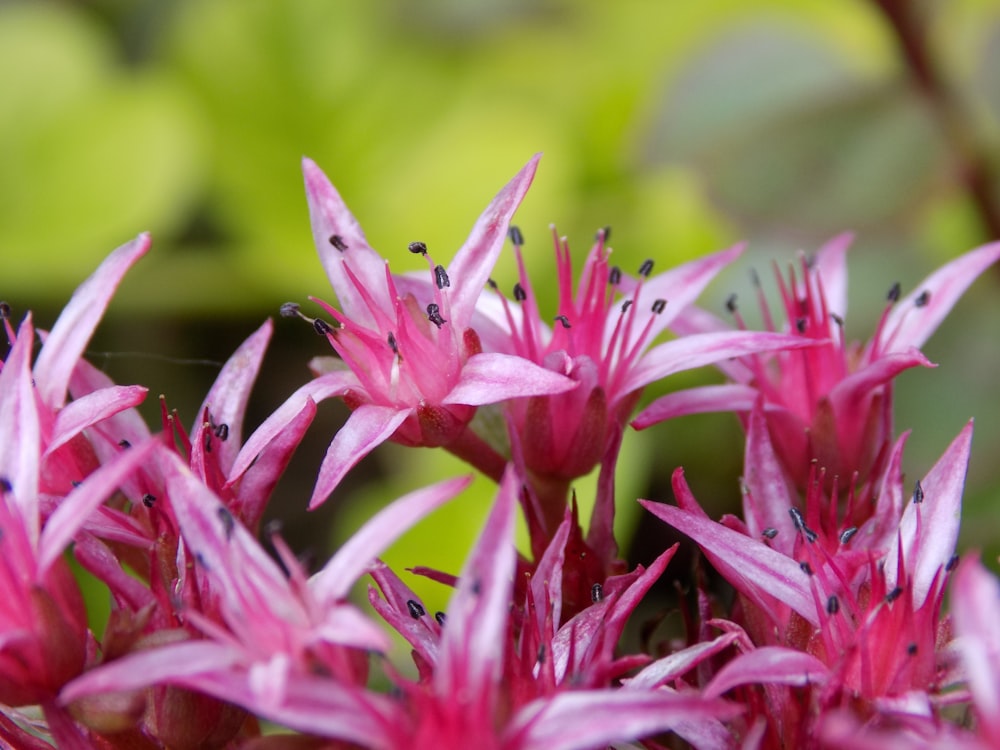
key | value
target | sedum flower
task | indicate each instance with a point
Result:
(416, 370)
(831, 402)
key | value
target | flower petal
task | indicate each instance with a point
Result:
(72, 331)
(709, 398)
(768, 665)
(669, 668)
(92, 408)
(491, 378)
(975, 605)
(831, 265)
(768, 495)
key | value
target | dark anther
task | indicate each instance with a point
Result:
(492, 283)
(338, 242)
(441, 277)
(290, 310)
(832, 605)
(837, 319)
(149, 500)
(918, 492)
(4, 310)
(515, 235)
(564, 320)
(5, 485)
(615, 275)
(800, 325)
(952, 562)
(911, 650)
(626, 305)
(596, 593)
(923, 298)
(541, 654)
(605, 233)
(391, 341)
(806, 568)
(417, 248)
(440, 617)
(797, 519)
(894, 291)
(770, 532)
(519, 294)
(228, 524)
(416, 609)
(207, 443)
(731, 303)
(322, 327)
(477, 587)
(893, 595)
(659, 306)
(754, 277)
(434, 315)
(75, 483)
(646, 268)
(847, 534)
(222, 432)
(200, 559)
(124, 444)
(272, 527)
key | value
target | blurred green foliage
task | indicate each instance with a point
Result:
(685, 126)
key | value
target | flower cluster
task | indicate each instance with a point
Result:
(835, 631)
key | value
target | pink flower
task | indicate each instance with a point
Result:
(416, 371)
(603, 338)
(831, 402)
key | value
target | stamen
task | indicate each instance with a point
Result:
(837, 319)
(5, 485)
(492, 284)
(596, 593)
(646, 268)
(800, 325)
(731, 303)
(338, 242)
(754, 277)
(847, 534)
(391, 341)
(322, 327)
(149, 500)
(893, 595)
(770, 532)
(416, 609)
(604, 234)
(911, 650)
(806, 567)
(615, 276)
(124, 444)
(228, 523)
(441, 277)
(515, 235)
(417, 248)
(894, 291)
(222, 432)
(441, 617)
(952, 562)
(923, 298)
(832, 605)
(434, 315)
(800, 524)
(541, 654)
(626, 305)
(4, 310)
(918, 492)
(564, 320)
(519, 294)
(659, 306)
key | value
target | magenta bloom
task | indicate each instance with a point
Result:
(831, 402)
(417, 371)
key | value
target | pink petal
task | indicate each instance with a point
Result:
(750, 566)
(368, 426)
(331, 218)
(975, 603)
(20, 438)
(929, 530)
(909, 325)
(669, 668)
(769, 495)
(471, 655)
(709, 398)
(584, 719)
(491, 378)
(92, 408)
(768, 665)
(473, 263)
(393, 608)
(357, 554)
(849, 390)
(546, 583)
(77, 506)
(76, 324)
(702, 349)
(831, 265)
(226, 401)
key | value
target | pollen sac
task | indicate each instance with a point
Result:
(391, 341)
(149, 500)
(338, 242)
(415, 608)
(564, 320)
(731, 303)
(832, 605)
(222, 432)
(5, 485)
(894, 292)
(289, 310)
(615, 276)
(322, 327)
(626, 305)
(519, 294)
(604, 234)
(806, 567)
(847, 534)
(441, 618)
(923, 298)
(770, 532)
(124, 444)
(4, 310)
(952, 562)
(515, 235)
(596, 593)
(441, 277)
(417, 248)
(893, 595)
(918, 492)
(434, 315)
(837, 319)
(911, 650)
(646, 268)
(659, 306)
(228, 523)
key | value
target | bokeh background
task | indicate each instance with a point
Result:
(686, 126)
